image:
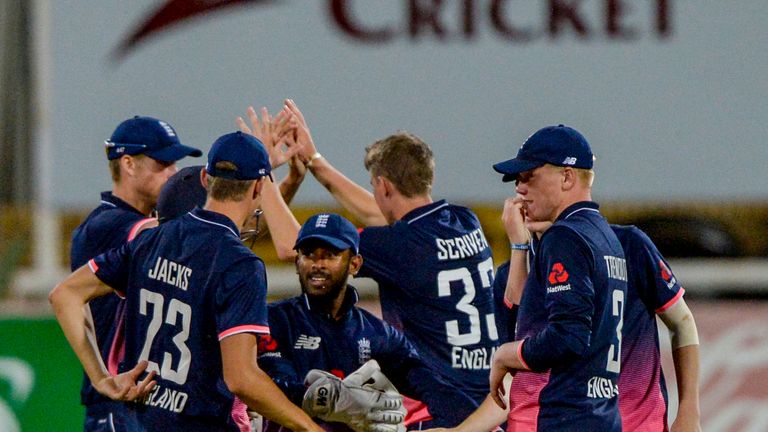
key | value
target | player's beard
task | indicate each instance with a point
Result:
(335, 285)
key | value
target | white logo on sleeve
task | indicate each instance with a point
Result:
(307, 342)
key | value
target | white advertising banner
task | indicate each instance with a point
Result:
(671, 93)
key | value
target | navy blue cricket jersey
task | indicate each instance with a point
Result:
(506, 313)
(651, 290)
(108, 226)
(435, 270)
(304, 338)
(188, 284)
(570, 321)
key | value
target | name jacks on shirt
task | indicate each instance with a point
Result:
(171, 273)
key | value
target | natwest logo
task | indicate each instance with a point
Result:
(513, 20)
(558, 274)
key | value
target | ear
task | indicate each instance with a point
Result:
(204, 178)
(355, 262)
(569, 179)
(389, 188)
(258, 186)
(128, 165)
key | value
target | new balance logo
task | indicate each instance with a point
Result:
(569, 161)
(307, 342)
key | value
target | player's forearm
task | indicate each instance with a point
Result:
(74, 317)
(262, 395)
(485, 418)
(349, 194)
(283, 226)
(518, 273)
(289, 186)
(686, 361)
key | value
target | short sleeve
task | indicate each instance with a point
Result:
(379, 248)
(112, 267)
(241, 299)
(653, 277)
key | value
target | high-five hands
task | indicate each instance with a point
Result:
(278, 134)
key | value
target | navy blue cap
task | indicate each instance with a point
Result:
(331, 228)
(181, 193)
(244, 151)
(150, 136)
(556, 145)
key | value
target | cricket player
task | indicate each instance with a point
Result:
(430, 258)
(195, 301)
(567, 355)
(323, 329)
(142, 154)
(652, 290)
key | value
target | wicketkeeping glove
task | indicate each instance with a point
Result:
(365, 401)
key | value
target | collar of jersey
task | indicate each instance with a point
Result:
(215, 219)
(350, 300)
(418, 213)
(113, 201)
(579, 207)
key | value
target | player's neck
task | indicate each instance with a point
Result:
(237, 211)
(133, 198)
(403, 205)
(572, 199)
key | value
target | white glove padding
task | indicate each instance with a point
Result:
(360, 406)
(370, 375)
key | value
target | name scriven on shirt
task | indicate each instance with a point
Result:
(461, 247)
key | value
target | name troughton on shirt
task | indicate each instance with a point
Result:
(460, 247)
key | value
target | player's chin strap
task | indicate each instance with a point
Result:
(366, 400)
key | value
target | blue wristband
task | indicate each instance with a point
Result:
(519, 246)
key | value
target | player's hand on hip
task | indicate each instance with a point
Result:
(127, 386)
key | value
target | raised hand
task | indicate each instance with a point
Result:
(303, 136)
(273, 133)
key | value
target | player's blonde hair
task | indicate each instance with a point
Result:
(586, 176)
(115, 170)
(224, 189)
(405, 160)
